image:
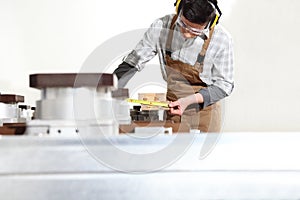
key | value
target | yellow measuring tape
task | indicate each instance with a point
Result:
(150, 103)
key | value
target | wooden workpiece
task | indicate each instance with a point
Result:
(74, 80)
(13, 129)
(11, 98)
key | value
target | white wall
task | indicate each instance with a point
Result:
(266, 97)
(47, 36)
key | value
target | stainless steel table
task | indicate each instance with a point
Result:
(239, 166)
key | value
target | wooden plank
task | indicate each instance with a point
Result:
(74, 80)
(13, 129)
(11, 98)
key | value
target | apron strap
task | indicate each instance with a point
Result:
(170, 36)
(201, 55)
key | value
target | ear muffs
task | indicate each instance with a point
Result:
(213, 22)
(178, 6)
(216, 18)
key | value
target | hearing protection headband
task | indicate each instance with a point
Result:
(215, 21)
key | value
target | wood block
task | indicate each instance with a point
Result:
(11, 98)
(74, 80)
(13, 129)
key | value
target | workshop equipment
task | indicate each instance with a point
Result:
(152, 107)
(72, 102)
(11, 121)
(150, 116)
(9, 109)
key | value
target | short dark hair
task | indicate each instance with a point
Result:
(198, 11)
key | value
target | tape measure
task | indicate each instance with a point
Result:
(150, 103)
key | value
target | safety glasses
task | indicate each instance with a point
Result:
(188, 28)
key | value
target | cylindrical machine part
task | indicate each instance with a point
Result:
(74, 104)
(121, 106)
(55, 104)
(9, 110)
(10, 113)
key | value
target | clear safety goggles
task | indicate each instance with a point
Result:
(190, 29)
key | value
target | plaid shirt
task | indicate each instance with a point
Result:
(218, 63)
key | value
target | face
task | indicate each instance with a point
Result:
(189, 29)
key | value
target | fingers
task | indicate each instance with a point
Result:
(174, 104)
(176, 111)
(176, 108)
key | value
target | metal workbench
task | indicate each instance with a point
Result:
(239, 166)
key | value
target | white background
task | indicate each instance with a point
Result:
(50, 36)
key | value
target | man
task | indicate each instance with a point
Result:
(196, 58)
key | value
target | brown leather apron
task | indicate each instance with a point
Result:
(183, 80)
